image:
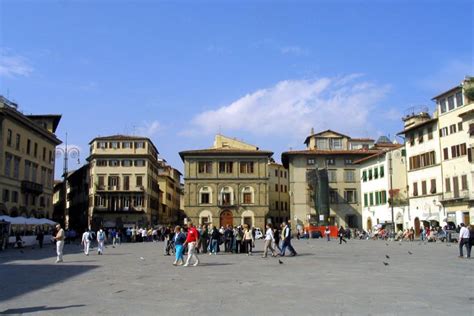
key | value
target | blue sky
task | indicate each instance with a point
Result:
(261, 71)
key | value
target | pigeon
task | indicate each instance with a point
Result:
(141, 258)
(385, 263)
(280, 262)
(410, 253)
(400, 244)
(386, 244)
(387, 256)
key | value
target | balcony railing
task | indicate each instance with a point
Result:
(119, 188)
(117, 210)
(458, 195)
(226, 203)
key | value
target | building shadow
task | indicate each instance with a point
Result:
(36, 253)
(34, 309)
(19, 279)
(211, 264)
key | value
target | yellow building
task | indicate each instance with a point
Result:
(455, 109)
(227, 184)
(27, 150)
(124, 189)
(169, 180)
(279, 206)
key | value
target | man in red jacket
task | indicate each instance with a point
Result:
(191, 240)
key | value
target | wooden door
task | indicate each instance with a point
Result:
(417, 226)
(226, 218)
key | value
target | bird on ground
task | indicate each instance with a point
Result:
(410, 253)
(387, 256)
(280, 262)
(386, 244)
(141, 258)
(385, 263)
(400, 244)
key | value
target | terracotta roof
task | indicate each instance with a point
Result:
(224, 151)
(381, 152)
(361, 139)
(55, 117)
(387, 145)
(326, 131)
(316, 152)
(417, 126)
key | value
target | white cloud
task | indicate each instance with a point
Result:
(12, 65)
(293, 50)
(149, 129)
(292, 107)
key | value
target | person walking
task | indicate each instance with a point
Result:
(191, 242)
(276, 238)
(341, 234)
(86, 241)
(229, 236)
(179, 239)
(248, 240)
(203, 238)
(215, 236)
(286, 236)
(40, 237)
(238, 239)
(100, 242)
(114, 237)
(59, 238)
(327, 232)
(464, 239)
(269, 239)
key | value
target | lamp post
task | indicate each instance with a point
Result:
(67, 152)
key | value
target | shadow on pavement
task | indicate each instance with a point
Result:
(20, 279)
(214, 264)
(35, 309)
(36, 253)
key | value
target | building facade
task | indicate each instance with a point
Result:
(27, 152)
(279, 198)
(383, 184)
(124, 190)
(332, 155)
(169, 180)
(455, 110)
(424, 178)
(227, 184)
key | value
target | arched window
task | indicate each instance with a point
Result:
(205, 195)
(248, 196)
(226, 196)
(248, 217)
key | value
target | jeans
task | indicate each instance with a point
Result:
(59, 250)
(287, 244)
(238, 246)
(465, 241)
(179, 253)
(214, 246)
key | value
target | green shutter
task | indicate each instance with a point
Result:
(384, 197)
(376, 173)
(366, 200)
(371, 199)
(381, 172)
(364, 175)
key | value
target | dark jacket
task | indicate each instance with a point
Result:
(180, 239)
(215, 234)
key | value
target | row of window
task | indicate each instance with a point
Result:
(119, 203)
(281, 206)
(330, 161)
(375, 198)
(424, 187)
(226, 196)
(12, 169)
(422, 160)
(454, 128)
(123, 163)
(451, 102)
(420, 136)
(113, 182)
(349, 175)
(283, 188)
(350, 196)
(117, 145)
(31, 149)
(456, 151)
(283, 174)
(28, 199)
(245, 167)
(373, 173)
(329, 143)
(455, 182)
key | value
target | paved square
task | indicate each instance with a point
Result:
(324, 279)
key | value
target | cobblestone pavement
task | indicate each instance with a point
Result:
(324, 279)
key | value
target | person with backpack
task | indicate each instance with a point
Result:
(100, 241)
(86, 241)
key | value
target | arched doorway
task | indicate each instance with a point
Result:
(417, 226)
(226, 218)
(369, 223)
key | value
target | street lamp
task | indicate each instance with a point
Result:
(71, 152)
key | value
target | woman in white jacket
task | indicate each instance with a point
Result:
(269, 239)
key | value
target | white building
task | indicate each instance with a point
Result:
(456, 131)
(383, 182)
(424, 178)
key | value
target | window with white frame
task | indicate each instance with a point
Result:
(248, 195)
(205, 195)
(226, 196)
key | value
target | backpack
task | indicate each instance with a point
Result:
(89, 236)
